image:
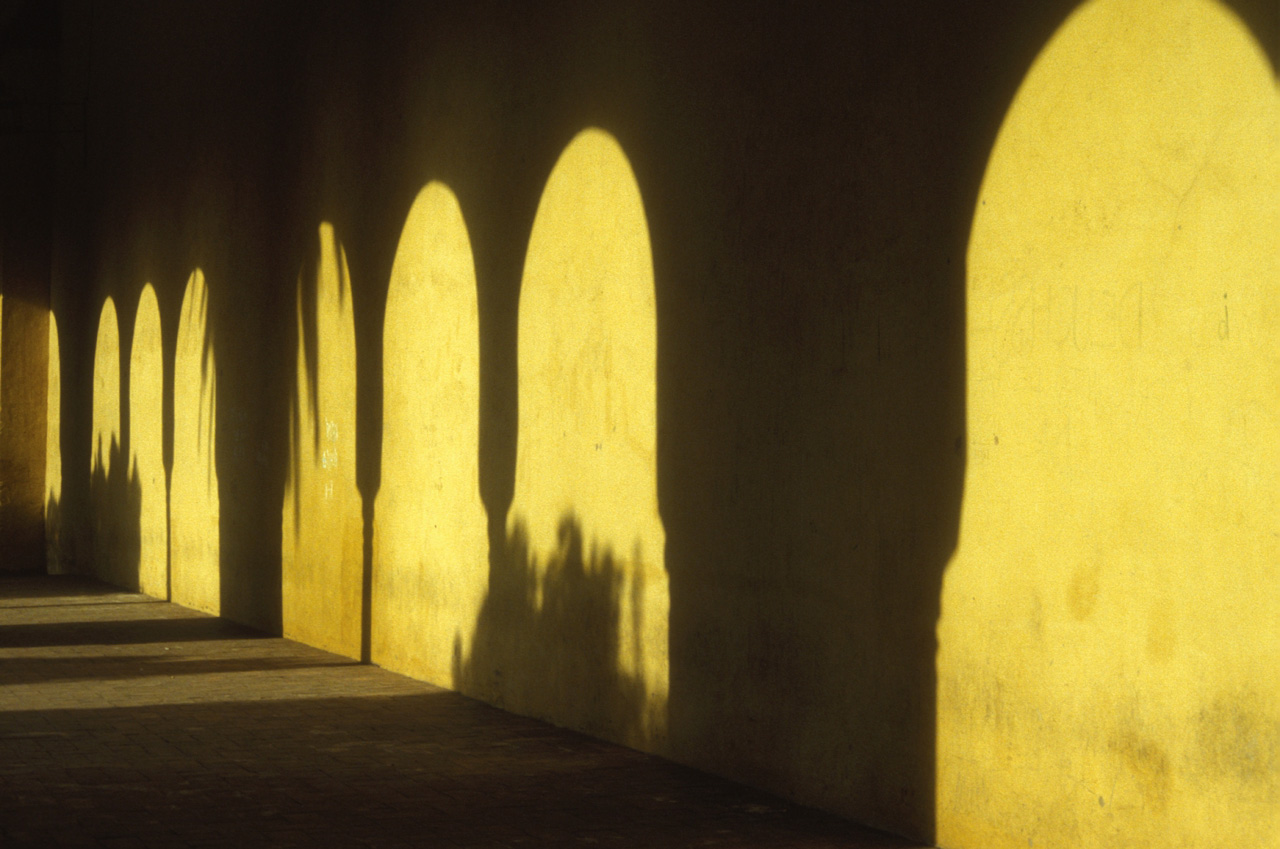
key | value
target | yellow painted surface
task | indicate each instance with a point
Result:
(1108, 643)
(194, 511)
(106, 392)
(56, 557)
(585, 541)
(146, 446)
(321, 569)
(430, 544)
(113, 546)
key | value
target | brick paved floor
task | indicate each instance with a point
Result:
(128, 722)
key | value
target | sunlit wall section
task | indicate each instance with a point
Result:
(585, 501)
(146, 446)
(322, 580)
(1108, 642)
(107, 465)
(430, 544)
(56, 557)
(194, 511)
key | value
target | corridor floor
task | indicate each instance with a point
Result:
(129, 722)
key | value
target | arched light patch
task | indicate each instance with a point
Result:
(146, 446)
(323, 534)
(585, 511)
(194, 506)
(1111, 606)
(430, 546)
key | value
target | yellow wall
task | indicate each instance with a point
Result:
(322, 537)
(23, 415)
(581, 592)
(146, 447)
(106, 392)
(56, 557)
(1109, 643)
(430, 546)
(114, 538)
(193, 511)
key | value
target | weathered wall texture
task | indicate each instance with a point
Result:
(640, 366)
(321, 568)
(583, 555)
(146, 457)
(1108, 641)
(24, 328)
(193, 493)
(431, 544)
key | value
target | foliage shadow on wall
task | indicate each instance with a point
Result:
(546, 641)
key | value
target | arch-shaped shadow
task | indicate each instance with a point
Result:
(1107, 647)
(430, 542)
(322, 566)
(194, 510)
(575, 625)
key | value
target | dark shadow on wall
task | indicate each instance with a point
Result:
(255, 356)
(546, 641)
(136, 666)
(29, 43)
(1262, 17)
(115, 498)
(55, 540)
(812, 442)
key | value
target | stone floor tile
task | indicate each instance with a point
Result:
(131, 723)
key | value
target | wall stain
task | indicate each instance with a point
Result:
(1237, 738)
(1082, 596)
(1147, 763)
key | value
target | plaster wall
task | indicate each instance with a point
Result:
(811, 263)
(1108, 640)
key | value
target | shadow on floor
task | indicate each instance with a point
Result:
(122, 632)
(341, 756)
(37, 585)
(432, 769)
(151, 665)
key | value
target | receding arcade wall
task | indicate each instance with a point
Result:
(872, 402)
